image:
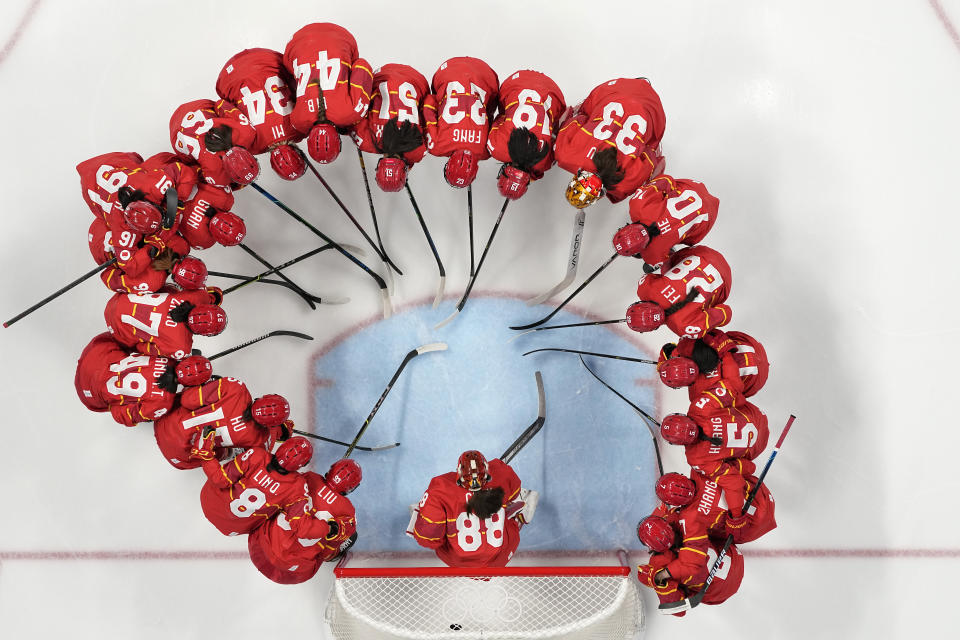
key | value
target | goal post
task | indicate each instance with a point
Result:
(445, 603)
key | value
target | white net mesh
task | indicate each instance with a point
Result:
(503, 607)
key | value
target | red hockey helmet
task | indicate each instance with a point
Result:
(288, 161)
(679, 428)
(270, 410)
(676, 489)
(678, 371)
(227, 228)
(391, 173)
(656, 533)
(344, 476)
(461, 168)
(294, 453)
(512, 182)
(323, 143)
(190, 273)
(193, 371)
(645, 316)
(472, 470)
(207, 320)
(142, 216)
(631, 239)
(240, 165)
(584, 189)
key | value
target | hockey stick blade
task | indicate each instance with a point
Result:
(345, 444)
(437, 298)
(572, 262)
(280, 332)
(448, 320)
(591, 353)
(511, 452)
(433, 346)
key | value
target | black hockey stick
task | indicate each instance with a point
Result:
(470, 224)
(433, 247)
(689, 603)
(567, 326)
(295, 334)
(572, 262)
(296, 216)
(60, 292)
(382, 254)
(533, 429)
(570, 297)
(433, 346)
(591, 353)
(345, 444)
(293, 285)
(373, 214)
(288, 263)
(473, 276)
(643, 414)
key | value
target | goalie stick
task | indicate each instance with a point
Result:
(387, 311)
(572, 262)
(474, 274)
(643, 414)
(293, 285)
(373, 214)
(570, 297)
(295, 334)
(670, 608)
(591, 353)
(433, 247)
(433, 346)
(528, 433)
(345, 444)
(59, 292)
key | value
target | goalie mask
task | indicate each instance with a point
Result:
(584, 189)
(472, 470)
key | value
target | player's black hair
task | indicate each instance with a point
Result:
(321, 109)
(524, 149)
(486, 502)
(219, 138)
(126, 195)
(181, 311)
(717, 441)
(399, 138)
(705, 356)
(608, 170)
(168, 379)
(668, 348)
(274, 467)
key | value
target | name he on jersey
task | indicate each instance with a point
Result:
(264, 479)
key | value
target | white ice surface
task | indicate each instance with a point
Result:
(829, 132)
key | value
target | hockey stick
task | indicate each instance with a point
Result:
(591, 353)
(570, 297)
(643, 414)
(249, 279)
(293, 214)
(433, 346)
(669, 608)
(470, 224)
(473, 276)
(300, 292)
(295, 334)
(383, 256)
(533, 429)
(433, 247)
(59, 292)
(345, 444)
(373, 214)
(286, 264)
(565, 326)
(572, 261)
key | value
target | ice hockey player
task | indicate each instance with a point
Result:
(334, 86)
(393, 125)
(472, 517)
(687, 295)
(164, 323)
(734, 357)
(245, 492)
(458, 115)
(711, 440)
(256, 82)
(664, 213)
(527, 100)
(225, 407)
(679, 566)
(610, 142)
(133, 387)
(279, 554)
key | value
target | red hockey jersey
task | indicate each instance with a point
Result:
(459, 112)
(143, 322)
(399, 91)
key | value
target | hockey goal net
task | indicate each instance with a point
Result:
(467, 604)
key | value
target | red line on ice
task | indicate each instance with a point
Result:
(15, 37)
(945, 21)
